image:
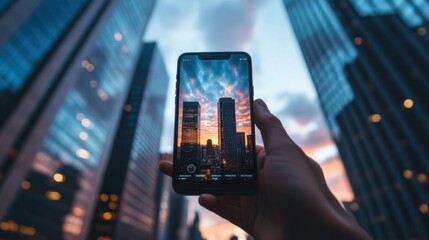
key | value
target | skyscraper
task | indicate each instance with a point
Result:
(227, 134)
(126, 205)
(191, 123)
(249, 143)
(383, 130)
(65, 68)
(209, 146)
(190, 153)
(241, 149)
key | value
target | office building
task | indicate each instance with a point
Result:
(66, 67)
(249, 143)
(173, 209)
(241, 150)
(127, 203)
(382, 132)
(190, 149)
(227, 134)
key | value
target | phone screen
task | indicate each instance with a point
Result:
(215, 132)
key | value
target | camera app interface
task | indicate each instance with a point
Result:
(214, 125)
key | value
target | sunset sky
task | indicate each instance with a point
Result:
(207, 81)
(280, 75)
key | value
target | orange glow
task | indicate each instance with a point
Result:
(358, 41)
(104, 197)
(335, 176)
(423, 208)
(222, 231)
(112, 205)
(128, 108)
(107, 216)
(422, 178)
(30, 231)
(104, 238)
(421, 31)
(53, 195)
(354, 207)
(408, 103)
(375, 118)
(407, 174)
(25, 185)
(114, 197)
(209, 127)
(13, 226)
(78, 211)
(58, 177)
(4, 226)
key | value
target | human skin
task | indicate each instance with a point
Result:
(293, 200)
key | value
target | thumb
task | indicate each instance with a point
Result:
(273, 133)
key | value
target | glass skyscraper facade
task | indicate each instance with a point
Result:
(127, 203)
(327, 50)
(383, 130)
(66, 68)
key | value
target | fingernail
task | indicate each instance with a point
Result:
(261, 103)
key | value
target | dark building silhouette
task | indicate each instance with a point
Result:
(249, 143)
(209, 147)
(190, 152)
(194, 229)
(241, 150)
(57, 191)
(66, 67)
(128, 201)
(227, 134)
(382, 125)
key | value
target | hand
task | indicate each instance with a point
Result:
(293, 200)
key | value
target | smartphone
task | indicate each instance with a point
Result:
(214, 137)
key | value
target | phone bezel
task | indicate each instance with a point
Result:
(233, 187)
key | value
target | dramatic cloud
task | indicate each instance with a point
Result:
(304, 119)
(206, 82)
(228, 24)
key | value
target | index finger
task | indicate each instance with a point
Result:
(273, 133)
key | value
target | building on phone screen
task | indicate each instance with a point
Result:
(190, 148)
(227, 134)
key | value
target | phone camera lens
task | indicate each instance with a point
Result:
(191, 168)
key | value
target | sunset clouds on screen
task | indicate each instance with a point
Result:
(206, 81)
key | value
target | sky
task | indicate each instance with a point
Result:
(262, 29)
(206, 82)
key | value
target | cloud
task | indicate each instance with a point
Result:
(228, 25)
(304, 120)
(211, 80)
